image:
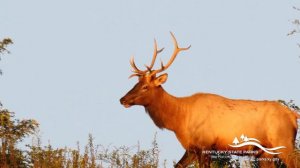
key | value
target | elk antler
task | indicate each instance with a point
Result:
(176, 51)
(138, 72)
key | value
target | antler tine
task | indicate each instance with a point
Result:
(176, 51)
(135, 69)
(154, 56)
(135, 74)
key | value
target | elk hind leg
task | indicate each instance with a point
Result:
(290, 158)
(266, 161)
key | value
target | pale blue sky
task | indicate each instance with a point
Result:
(70, 62)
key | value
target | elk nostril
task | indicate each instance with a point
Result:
(122, 100)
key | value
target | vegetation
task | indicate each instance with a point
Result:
(13, 131)
(3, 44)
(296, 23)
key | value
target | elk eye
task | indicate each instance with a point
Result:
(145, 87)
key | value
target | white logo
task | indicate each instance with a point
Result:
(252, 141)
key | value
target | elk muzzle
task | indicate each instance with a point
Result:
(126, 103)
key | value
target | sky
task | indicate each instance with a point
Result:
(69, 64)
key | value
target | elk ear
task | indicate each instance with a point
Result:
(161, 79)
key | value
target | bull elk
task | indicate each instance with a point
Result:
(204, 121)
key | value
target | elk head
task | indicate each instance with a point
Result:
(149, 85)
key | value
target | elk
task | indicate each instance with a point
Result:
(205, 121)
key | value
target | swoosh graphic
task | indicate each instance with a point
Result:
(253, 139)
(276, 148)
(259, 146)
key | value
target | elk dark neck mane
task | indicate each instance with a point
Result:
(166, 111)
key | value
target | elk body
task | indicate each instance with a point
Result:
(210, 122)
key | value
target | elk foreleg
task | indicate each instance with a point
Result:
(193, 155)
(187, 159)
(203, 159)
